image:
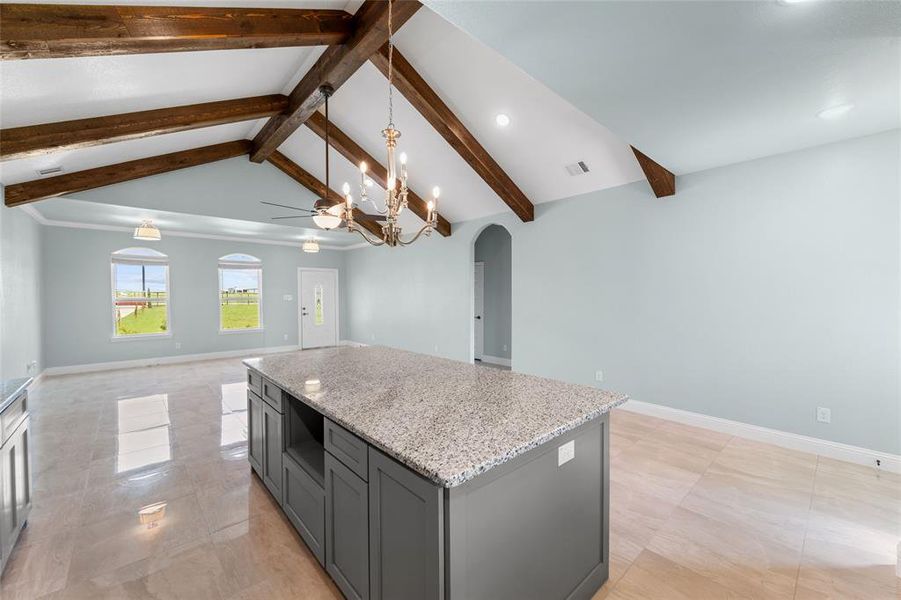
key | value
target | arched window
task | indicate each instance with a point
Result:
(140, 278)
(240, 293)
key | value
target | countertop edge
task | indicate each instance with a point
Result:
(10, 396)
(427, 473)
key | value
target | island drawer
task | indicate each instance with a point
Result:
(272, 394)
(13, 415)
(254, 382)
(348, 448)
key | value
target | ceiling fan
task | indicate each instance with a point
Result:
(325, 214)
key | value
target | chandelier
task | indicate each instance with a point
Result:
(396, 189)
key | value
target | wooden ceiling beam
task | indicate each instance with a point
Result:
(307, 180)
(67, 30)
(33, 140)
(353, 152)
(334, 67)
(418, 92)
(79, 181)
(662, 181)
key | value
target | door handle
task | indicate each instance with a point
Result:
(303, 311)
(478, 316)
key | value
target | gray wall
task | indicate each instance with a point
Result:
(76, 274)
(759, 292)
(20, 293)
(493, 248)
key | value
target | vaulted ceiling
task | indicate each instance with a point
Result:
(691, 84)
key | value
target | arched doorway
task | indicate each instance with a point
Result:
(492, 298)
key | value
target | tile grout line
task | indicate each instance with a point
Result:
(813, 483)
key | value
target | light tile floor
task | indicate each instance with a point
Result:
(694, 514)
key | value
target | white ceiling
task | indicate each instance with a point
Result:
(698, 84)
(693, 84)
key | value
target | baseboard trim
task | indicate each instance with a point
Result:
(496, 360)
(784, 439)
(161, 360)
(352, 343)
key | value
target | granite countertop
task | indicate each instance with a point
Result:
(447, 420)
(11, 388)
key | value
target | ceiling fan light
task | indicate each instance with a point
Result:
(311, 246)
(147, 232)
(326, 221)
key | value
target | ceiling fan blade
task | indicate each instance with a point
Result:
(293, 217)
(286, 206)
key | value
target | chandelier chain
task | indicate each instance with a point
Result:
(390, 67)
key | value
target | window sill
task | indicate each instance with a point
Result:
(233, 331)
(140, 336)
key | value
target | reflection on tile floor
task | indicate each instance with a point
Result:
(694, 514)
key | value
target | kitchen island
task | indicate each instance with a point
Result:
(411, 476)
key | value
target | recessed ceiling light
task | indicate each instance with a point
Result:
(502, 120)
(834, 112)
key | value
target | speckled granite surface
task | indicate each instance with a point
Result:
(447, 420)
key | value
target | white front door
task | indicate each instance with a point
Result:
(479, 312)
(318, 308)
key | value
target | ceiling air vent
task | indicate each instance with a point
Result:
(49, 171)
(579, 168)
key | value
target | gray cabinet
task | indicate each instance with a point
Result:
(304, 505)
(346, 529)
(405, 523)
(15, 488)
(272, 451)
(255, 431)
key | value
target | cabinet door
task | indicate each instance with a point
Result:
(405, 520)
(255, 432)
(7, 500)
(305, 506)
(22, 473)
(272, 451)
(346, 529)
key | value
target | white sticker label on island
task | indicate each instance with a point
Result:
(566, 452)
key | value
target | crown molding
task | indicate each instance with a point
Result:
(35, 214)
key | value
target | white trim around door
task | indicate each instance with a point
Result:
(300, 270)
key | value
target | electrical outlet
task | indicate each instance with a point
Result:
(824, 415)
(599, 376)
(566, 452)
(505, 347)
(31, 367)
(436, 347)
(287, 297)
(178, 345)
(372, 336)
(286, 337)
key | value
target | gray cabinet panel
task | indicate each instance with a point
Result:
(348, 448)
(532, 528)
(255, 432)
(405, 533)
(272, 451)
(346, 529)
(7, 500)
(305, 506)
(15, 488)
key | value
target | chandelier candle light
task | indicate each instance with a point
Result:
(396, 188)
